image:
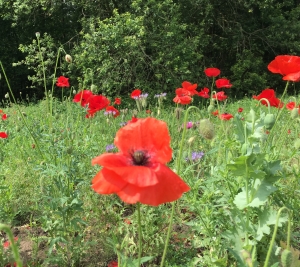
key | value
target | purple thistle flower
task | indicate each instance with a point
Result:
(110, 147)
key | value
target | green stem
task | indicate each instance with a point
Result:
(275, 232)
(20, 112)
(44, 73)
(140, 233)
(15, 250)
(179, 159)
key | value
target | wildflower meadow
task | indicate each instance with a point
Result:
(190, 178)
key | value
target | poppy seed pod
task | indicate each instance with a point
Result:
(94, 88)
(210, 108)
(68, 58)
(207, 129)
(269, 121)
(295, 113)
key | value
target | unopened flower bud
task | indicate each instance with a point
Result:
(74, 92)
(6, 95)
(68, 58)
(94, 88)
(295, 113)
(207, 129)
(210, 108)
(191, 140)
(37, 34)
(269, 121)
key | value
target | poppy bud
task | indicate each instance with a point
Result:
(68, 58)
(295, 113)
(37, 34)
(6, 95)
(286, 258)
(207, 129)
(191, 140)
(94, 88)
(74, 92)
(210, 108)
(269, 121)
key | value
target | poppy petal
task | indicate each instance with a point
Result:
(122, 166)
(149, 135)
(169, 188)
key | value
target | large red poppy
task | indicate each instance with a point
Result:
(270, 95)
(204, 93)
(96, 103)
(182, 97)
(82, 97)
(223, 83)
(212, 72)
(62, 82)
(286, 65)
(137, 173)
(191, 88)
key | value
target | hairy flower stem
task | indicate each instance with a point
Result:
(15, 250)
(140, 233)
(178, 165)
(275, 232)
(20, 112)
(44, 73)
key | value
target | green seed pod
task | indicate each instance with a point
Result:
(94, 88)
(269, 121)
(295, 113)
(287, 258)
(207, 129)
(210, 108)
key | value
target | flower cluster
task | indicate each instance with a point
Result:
(94, 103)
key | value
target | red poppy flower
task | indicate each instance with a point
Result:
(62, 82)
(1, 111)
(204, 93)
(223, 83)
(117, 101)
(220, 96)
(226, 116)
(240, 110)
(215, 113)
(182, 97)
(113, 264)
(83, 97)
(135, 93)
(138, 172)
(286, 65)
(191, 88)
(4, 117)
(271, 96)
(291, 105)
(212, 72)
(96, 103)
(3, 135)
(113, 111)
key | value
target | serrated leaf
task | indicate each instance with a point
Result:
(261, 196)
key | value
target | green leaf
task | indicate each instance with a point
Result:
(240, 200)
(261, 196)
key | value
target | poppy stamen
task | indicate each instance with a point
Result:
(139, 158)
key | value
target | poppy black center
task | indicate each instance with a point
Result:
(139, 158)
